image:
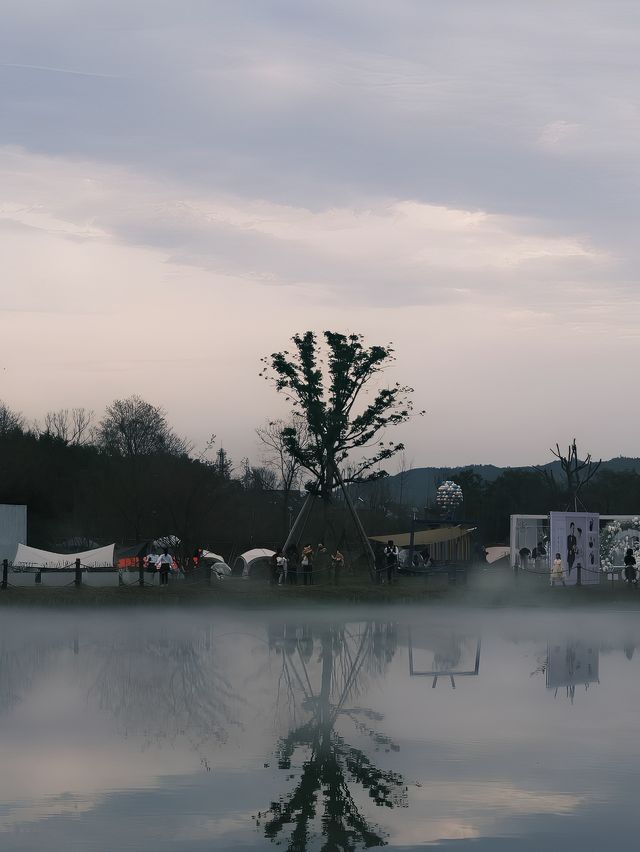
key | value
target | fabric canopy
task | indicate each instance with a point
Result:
(245, 561)
(31, 557)
(208, 556)
(423, 538)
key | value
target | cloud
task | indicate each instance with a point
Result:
(416, 171)
(388, 251)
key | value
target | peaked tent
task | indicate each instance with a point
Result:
(250, 559)
(32, 557)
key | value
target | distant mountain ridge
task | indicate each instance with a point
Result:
(417, 487)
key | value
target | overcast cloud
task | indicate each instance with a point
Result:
(183, 186)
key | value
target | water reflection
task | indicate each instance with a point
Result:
(162, 687)
(326, 766)
(571, 664)
(204, 730)
(446, 654)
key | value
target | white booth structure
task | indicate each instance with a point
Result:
(600, 541)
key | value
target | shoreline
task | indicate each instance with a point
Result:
(482, 591)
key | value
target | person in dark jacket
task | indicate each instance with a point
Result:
(293, 558)
(391, 556)
(630, 572)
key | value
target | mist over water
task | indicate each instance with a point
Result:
(197, 730)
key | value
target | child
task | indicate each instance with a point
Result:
(557, 572)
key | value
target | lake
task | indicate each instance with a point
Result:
(193, 730)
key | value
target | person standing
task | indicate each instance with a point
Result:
(274, 567)
(630, 572)
(337, 563)
(391, 554)
(152, 563)
(321, 560)
(307, 564)
(572, 547)
(524, 553)
(293, 560)
(557, 571)
(164, 563)
(282, 570)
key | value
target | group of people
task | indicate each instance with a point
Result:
(164, 563)
(286, 567)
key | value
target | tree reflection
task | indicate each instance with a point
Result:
(165, 688)
(331, 766)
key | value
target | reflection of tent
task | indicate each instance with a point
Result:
(444, 543)
(31, 557)
(258, 558)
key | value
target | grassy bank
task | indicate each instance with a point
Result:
(486, 589)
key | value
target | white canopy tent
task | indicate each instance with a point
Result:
(247, 560)
(209, 556)
(32, 557)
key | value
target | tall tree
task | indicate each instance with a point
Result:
(132, 427)
(325, 385)
(11, 422)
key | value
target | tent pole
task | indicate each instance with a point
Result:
(358, 523)
(296, 531)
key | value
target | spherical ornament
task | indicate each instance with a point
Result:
(449, 497)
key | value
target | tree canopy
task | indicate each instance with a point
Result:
(132, 427)
(326, 382)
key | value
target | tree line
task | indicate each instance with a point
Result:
(128, 477)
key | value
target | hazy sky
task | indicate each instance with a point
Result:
(185, 185)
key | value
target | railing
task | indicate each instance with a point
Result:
(76, 574)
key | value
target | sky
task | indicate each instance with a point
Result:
(183, 186)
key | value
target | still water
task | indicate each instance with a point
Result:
(183, 730)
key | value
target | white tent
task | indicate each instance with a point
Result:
(221, 570)
(245, 561)
(208, 556)
(31, 557)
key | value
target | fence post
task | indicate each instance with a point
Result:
(5, 573)
(141, 570)
(78, 580)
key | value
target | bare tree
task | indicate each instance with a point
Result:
(276, 456)
(577, 473)
(132, 427)
(275, 453)
(73, 427)
(10, 421)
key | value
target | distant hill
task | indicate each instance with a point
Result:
(418, 486)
